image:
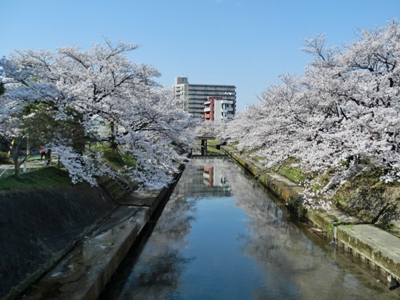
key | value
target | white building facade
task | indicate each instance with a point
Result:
(218, 109)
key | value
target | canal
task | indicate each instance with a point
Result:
(222, 236)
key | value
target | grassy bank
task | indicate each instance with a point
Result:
(45, 177)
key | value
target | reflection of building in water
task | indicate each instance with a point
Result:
(208, 180)
(214, 177)
(208, 175)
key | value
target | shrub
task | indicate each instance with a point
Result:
(4, 157)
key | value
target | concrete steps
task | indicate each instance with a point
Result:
(117, 188)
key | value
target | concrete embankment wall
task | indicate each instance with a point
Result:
(375, 247)
(39, 226)
(65, 243)
(280, 186)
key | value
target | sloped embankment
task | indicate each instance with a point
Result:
(371, 200)
(38, 226)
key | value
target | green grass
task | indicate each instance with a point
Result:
(128, 160)
(213, 142)
(6, 173)
(35, 158)
(44, 177)
(233, 145)
(258, 158)
(53, 177)
(114, 159)
(293, 173)
(213, 151)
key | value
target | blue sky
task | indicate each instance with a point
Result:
(246, 43)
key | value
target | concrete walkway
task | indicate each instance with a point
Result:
(374, 246)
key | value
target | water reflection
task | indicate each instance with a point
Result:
(222, 237)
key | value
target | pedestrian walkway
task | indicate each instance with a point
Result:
(28, 166)
(375, 246)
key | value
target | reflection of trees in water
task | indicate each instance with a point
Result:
(174, 224)
(162, 270)
(292, 264)
(293, 267)
(156, 273)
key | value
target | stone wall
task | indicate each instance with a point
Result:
(37, 227)
(368, 198)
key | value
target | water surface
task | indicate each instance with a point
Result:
(221, 236)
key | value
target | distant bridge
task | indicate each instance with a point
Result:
(204, 140)
(206, 137)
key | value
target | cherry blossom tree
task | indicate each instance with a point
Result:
(14, 138)
(101, 84)
(344, 107)
(209, 128)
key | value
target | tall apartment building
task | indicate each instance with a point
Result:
(218, 110)
(194, 96)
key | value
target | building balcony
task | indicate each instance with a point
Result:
(206, 175)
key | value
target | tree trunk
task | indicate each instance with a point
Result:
(15, 150)
(16, 145)
(16, 168)
(113, 144)
(79, 139)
